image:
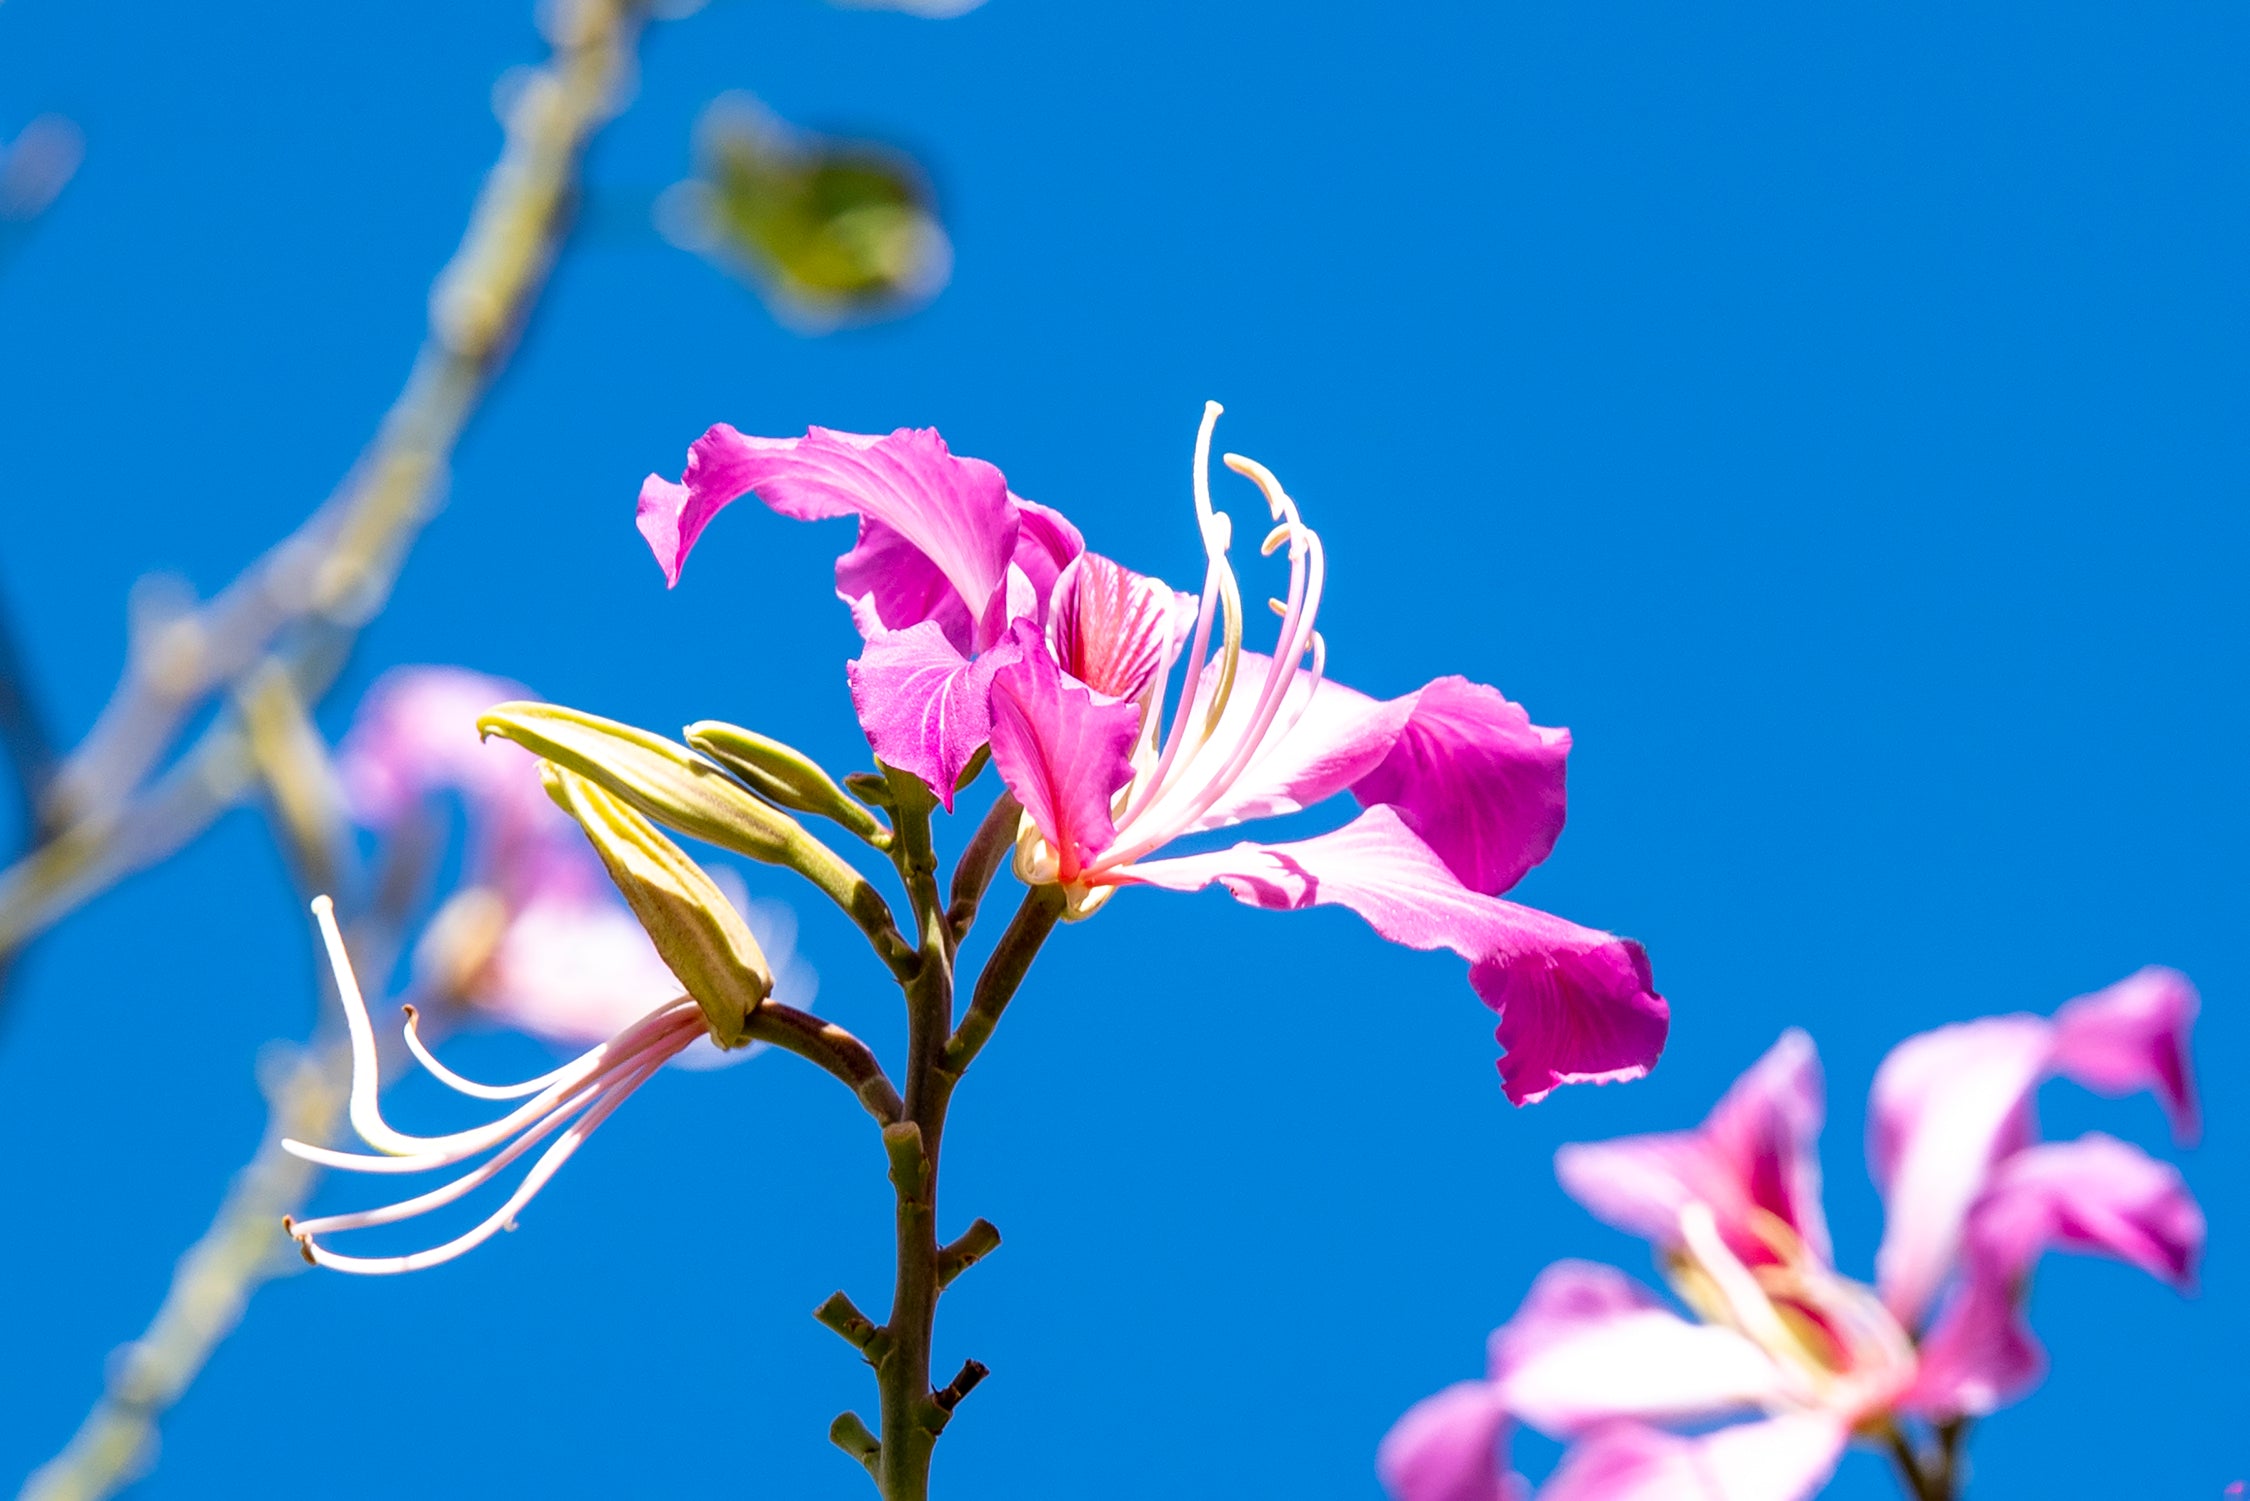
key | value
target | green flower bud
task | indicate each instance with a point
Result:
(785, 775)
(660, 777)
(694, 927)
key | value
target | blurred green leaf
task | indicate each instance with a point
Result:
(829, 230)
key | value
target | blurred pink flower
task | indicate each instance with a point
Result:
(1733, 1210)
(987, 621)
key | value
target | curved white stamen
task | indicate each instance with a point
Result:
(681, 1023)
(366, 1111)
(549, 1163)
(1750, 1309)
(1747, 1306)
(1220, 590)
(469, 1087)
(1172, 799)
(405, 1209)
(1316, 675)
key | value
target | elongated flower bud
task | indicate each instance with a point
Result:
(694, 927)
(660, 777)
(785, 775)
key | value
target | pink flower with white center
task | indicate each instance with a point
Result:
(987, 621)
(1733, 1210)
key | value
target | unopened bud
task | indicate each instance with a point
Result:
(660, 777)
(695, 928)
(782, 774)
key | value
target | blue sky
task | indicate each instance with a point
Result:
(1836, 419)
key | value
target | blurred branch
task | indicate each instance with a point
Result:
(30, 750)
(243, 1248)
(23, 731)
(34, 169)
(296, 610)
(306, 1089)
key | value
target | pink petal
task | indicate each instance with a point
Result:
(575, 971)
(953, 511)
(1590, 1346)
(1575, 1005)
(1946, 1106)
(1110, 627)
(925, 707)
(1470, 770)
(415, 733)
(1340, 736)
(1062, 751)
(1483, 783)
(1045, 544)
(891, 585)
(1447, 1448)
(1978, 1356)
(2132, 1036)
(1754, 1159)
(1779, 1459)
(2094, 1194)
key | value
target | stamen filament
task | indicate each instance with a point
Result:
(682, 1024)
(550, 1162)
(459, 1085)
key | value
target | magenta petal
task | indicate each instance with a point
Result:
(1576, 1005)
(1754, 1160)
(1045, 544)
(1590, 1346)
(954, 511)
(1062, 751)
(1483, 783)
(925, 707)
(891, 585)
(2094, 1194)
(1978, 1356)
(2133, 1036)
(1110, 627)
(1447, 1448)
(1946, 1106)
(1778, 1459)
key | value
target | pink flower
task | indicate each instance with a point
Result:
(1733, 1210)
(987, 621)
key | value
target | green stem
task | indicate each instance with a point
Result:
(832, 1048)
(911, 1419)
(1042, 908)
(913, 1414)
(1923, 1474)
(981, 861)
